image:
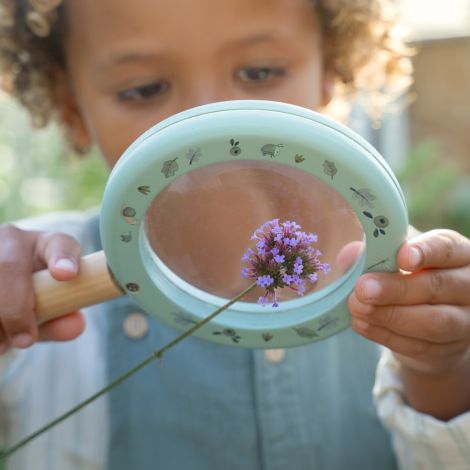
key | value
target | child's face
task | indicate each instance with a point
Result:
(133, 63)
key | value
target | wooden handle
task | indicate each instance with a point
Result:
(94, 284)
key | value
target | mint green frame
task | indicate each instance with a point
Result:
(311, 142)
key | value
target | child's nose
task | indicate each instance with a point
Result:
(204, 91)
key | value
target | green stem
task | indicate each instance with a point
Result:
(155, 355)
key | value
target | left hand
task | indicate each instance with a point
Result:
(422, 312)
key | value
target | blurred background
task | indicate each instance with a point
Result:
(426, 142)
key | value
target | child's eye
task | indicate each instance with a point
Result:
(259, 74)
(143, 92)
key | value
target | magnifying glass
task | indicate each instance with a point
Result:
(183, 201)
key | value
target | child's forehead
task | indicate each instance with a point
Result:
(174, 16)
(176, 27)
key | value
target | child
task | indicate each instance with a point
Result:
(110, 69)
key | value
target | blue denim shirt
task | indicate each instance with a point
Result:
(212, 407)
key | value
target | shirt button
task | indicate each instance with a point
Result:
(275, 356)
(136, 325)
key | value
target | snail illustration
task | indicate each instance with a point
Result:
(128, 214)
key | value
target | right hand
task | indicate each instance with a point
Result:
(21, 254)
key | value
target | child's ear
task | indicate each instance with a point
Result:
(70, 117)
(328, 86)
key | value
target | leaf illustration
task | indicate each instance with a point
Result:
(305, 332)
(329, 168)
(327, 322)
(368, 214)
(383, 264)
(183, 319)
(364, 197)
(170, 167)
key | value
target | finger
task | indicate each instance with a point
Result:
(4, 343)
(433, 286)
(17, 301)
(434, 323)
(404, 345)
(65, 328)
(60, 253)
(434, 249)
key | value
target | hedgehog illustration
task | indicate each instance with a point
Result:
(271, 150)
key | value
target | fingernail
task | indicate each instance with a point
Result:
(22, 340)
(370, 289)
(66, 264)
(415, 257)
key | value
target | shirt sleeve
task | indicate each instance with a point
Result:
(420, 441)
(9, 363)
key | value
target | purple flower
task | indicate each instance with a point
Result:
(265, 281)
(247, 255)
(284, 257)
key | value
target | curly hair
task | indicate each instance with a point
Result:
(362, 49)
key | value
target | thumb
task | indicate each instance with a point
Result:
(60, 253)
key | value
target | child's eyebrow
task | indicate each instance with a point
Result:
(125, 58)
(120, 58)
(255, 39)
(280, 37)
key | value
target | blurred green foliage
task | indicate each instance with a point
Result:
(437, 190)
(39, 173)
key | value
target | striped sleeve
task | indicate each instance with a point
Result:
(420, 441)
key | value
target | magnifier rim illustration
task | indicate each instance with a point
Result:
(268, 131)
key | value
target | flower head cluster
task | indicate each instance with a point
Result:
(284, 257)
